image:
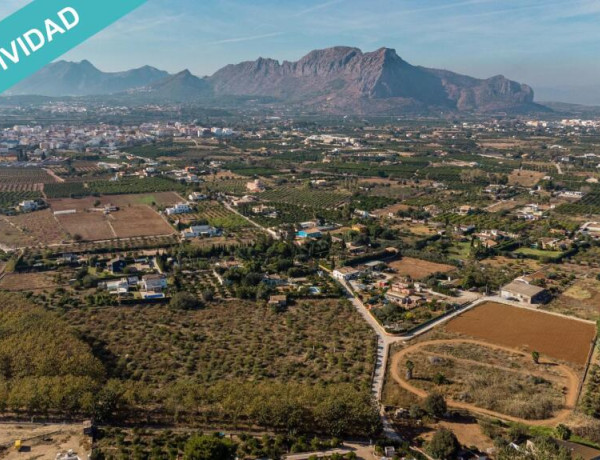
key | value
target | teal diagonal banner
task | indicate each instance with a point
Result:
(44, 30)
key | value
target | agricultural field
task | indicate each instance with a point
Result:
(107, 187)
(556, 337)
(41, 226)
(418, 269)
(228, 186)
(133, 219)
(319, 199)
(312, 342)
(478, 376)
(23, 179)
(288, 214)
(158, 199)
(198, 282)
(589, 204)
(537, 253)
(215, 214)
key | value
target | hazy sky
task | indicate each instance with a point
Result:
(541, 42)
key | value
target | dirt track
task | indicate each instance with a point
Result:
(561, 416)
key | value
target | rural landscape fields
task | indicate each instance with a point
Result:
(83, 219)
(134, 216)
(379, 286)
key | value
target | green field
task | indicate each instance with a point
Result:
(537, 253)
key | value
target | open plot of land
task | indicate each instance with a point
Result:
(582, 300)
(416, 229)
(504, 205)
(418, 269)
(12, 237)
(19, 282)
(490, 379)
(134, 217)
(522, 265)
(89, 226)
(393, 209)
(138, 221)
(525, 177)
(40, 225)
(160, 199)
(519, 328)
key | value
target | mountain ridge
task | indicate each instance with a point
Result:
(338, 79)
(64, 78)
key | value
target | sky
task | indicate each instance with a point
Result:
(544, 43)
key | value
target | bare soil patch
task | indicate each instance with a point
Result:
(560, 338)
(42, 226)
(418, 269)
(525, 178)
(135, 216)
(18, 282)
(43, 441)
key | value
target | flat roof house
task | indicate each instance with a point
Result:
(345, 273)
(179, 208)
(525, 293)
(196, 231)
(118, 286)
(154, 283)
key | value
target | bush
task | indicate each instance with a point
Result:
(209, 448)
(435, 405)
(563, 432)
(184, 301)
(443, 445)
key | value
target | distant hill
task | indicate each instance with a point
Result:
(333, 80)
(64, 78)
(181, 87)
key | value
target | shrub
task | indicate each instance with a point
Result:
(443, 445)
(435, 405)
(184, 301)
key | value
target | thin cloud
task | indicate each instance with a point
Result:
(245, 39)
(322, 6)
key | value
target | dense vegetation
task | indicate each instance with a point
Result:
(44, 367)
(123, 186)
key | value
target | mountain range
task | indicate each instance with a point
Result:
(333, 80)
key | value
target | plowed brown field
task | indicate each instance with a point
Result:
(560, 338)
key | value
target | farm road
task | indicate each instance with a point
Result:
(562, 415)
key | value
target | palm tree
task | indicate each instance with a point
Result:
(410, 366)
